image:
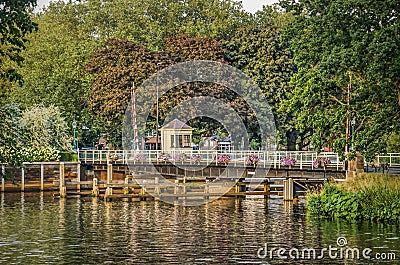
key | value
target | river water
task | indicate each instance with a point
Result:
(40, 229)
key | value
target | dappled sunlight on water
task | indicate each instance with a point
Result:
(39, 229)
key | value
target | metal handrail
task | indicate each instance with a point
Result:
(266, 158)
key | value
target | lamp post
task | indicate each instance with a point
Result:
(158, 69)
(353, 124)
(74, 142)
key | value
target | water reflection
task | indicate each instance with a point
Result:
(39, 229)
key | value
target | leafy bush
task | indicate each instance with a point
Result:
(68, 157)
(372, 197)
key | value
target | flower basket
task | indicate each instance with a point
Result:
(252, 160)
(196, 159)
(223, 159)
(180, 158)
(321, 162)
(140, 158)
(164, 157)
(288, 161)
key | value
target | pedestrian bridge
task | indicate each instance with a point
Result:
(265, 159)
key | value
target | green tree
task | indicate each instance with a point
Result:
(55, 61)
(70, 33)
(344, 43)
(259, 51)
(120, 63)
(15, 24)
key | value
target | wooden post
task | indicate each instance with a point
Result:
(176, 188)
(78, 175)
(288, 189)
(109, 180)
(3, 182)
(63, 189)
(41, 177)
(301, 160)
(23, 178)
(266, 189)
(95, 188)
(157, 185)
(237, 188)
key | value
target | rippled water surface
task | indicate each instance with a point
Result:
(39, 229)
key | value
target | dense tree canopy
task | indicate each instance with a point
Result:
(345, 43)
(15, 24)
(259, 51)
(120, 63)
(304, 56)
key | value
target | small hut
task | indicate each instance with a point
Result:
(176, 136)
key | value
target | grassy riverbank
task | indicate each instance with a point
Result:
(374, 197)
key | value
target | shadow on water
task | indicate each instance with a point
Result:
(39, 229)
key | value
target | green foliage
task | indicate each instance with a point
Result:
(42, 154)
(393, 143)
(254, 145)
(357, 45)
(15, 24)
(55, 61)
(119, 63)
(372, 197)
(261, 53)
(68, 157)
(70, 33)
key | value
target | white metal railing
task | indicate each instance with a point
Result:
(304, 159)
(390, 159)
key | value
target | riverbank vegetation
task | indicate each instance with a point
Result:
(373, 197)
(83, 56)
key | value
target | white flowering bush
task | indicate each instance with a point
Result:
(33, 135)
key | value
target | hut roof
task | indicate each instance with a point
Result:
(176, 125)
